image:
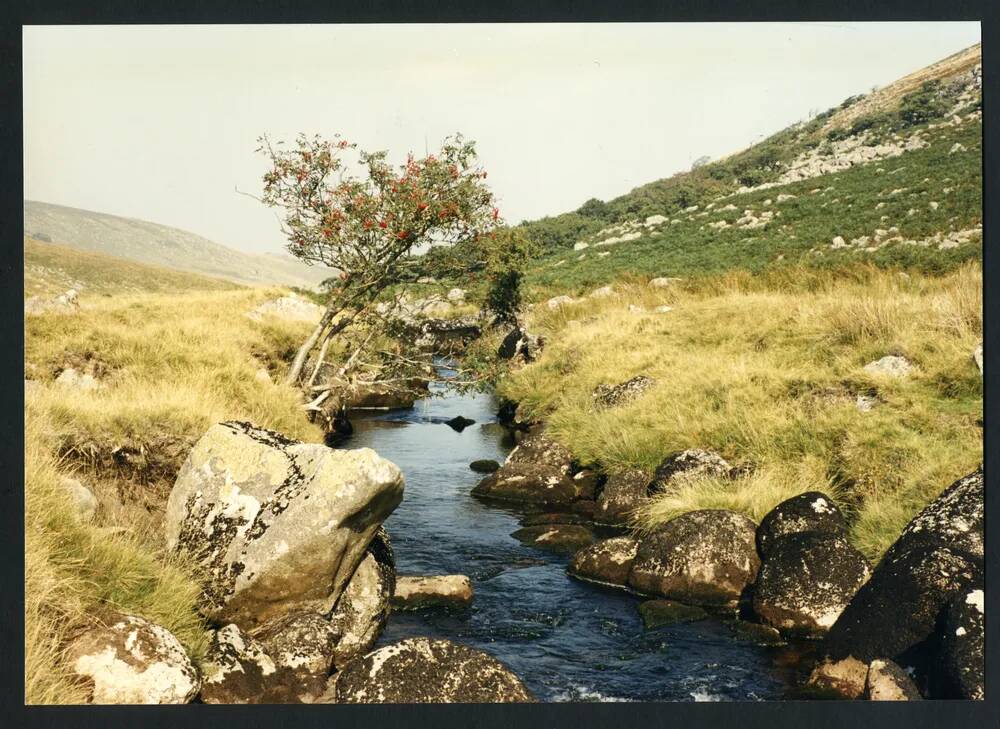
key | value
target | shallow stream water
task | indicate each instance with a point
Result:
(567, 640)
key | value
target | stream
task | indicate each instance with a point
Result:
(567, 640)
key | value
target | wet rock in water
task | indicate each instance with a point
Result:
(890, 366)
(560, 538)
(82, 499)
(276, 526)
(621, 495)
(762, 635)
(302, 648)
(806, 581)
(688, 465)
(608, 560)
(886, 681)
(459, 423)
(363, 608)
(539, 450)
(657, 613)
(554, 518)
(415, 593)
(607, 396)
(964, 661)
(133, 661)
(370, 395)
(425, 670)
(936, 558)
(484, 466)
(808, 512)
(237, 670)
(705, 557)
(528, 483)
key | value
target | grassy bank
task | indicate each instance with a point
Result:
(170, 365)
(768, 368)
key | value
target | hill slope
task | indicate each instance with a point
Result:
(50, 269)
(161, 245)
(893, 177)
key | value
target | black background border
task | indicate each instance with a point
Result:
(801, 714)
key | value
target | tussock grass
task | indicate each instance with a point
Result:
(171, 365)
(767, 368)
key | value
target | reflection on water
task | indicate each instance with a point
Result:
(567, 640)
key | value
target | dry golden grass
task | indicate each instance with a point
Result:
(767, 369)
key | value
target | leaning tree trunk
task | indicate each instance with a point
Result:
(295, 371)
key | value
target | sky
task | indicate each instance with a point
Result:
(161, 122)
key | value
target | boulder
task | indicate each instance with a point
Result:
(302, 648)
(66, 303)
(484, 466)
(274, 525)
(448, 336)
(588, 483)
(82, 499)
(556, 301)
(845, 678)
(560, 538)
(806, 580)
(130, 660)
(686, 466)
(540, 450)
(886, 681)
(705, 557)
(657, 613)
(608, 561)
(890, 366)
(369, 395)
(808, 512)
(425, 670)
(459, 423)
(415, 593)
(602, 293)
(621, 495)
(663, 282)
(584, 507)
(607, 396)
(757, 634)
(237, 670)
(363, 608)
(963, 658)
(456, 296)
(528, 483)
(554, 518)
(519, 343)
(977, 357)
(72, 378)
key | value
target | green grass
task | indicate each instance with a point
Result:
(767, 368)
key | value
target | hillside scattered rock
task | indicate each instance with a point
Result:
(415, 593)
(133, 661)
(456, 295)
(363, 608)
(891, 366)
(277, 526)
(977, 357)
(964, 659)
(425, 670)
(82, 499)
(288, 308)
(687, 466)
(621, 495)
(663, 282)
(705, 557)
(66, 303)
(806, 581)
(72, 378)
(608, 561)
(519, 343)
(811, 511)
(602, 293)
(557, 301)
(607, 396)
(886, 681)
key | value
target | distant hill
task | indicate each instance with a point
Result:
(51, 269)
(161, 245)
(892, 177)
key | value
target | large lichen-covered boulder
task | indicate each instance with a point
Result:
(705, 557)
(621, 495)
(808, 512)
(276, 526)
(133, 661)
(806, 581)
(539, 449)
(686, 466)
(428, 671)
(608, 561)
(963, 658)
(363, 608)
(288, 662)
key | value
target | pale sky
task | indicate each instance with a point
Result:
(160, 122)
